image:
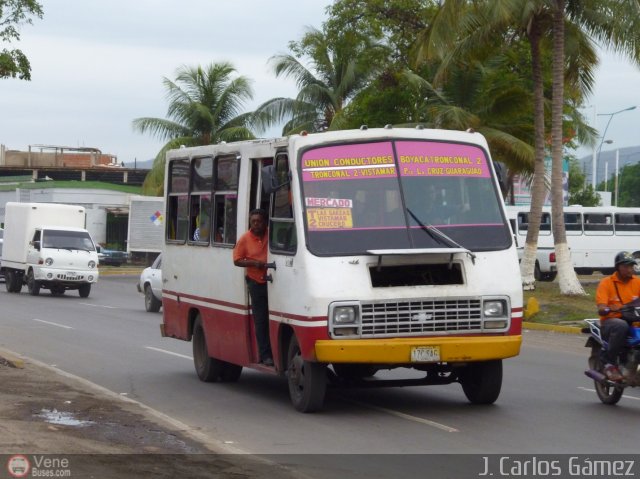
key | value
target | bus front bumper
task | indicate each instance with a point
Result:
(401, 350)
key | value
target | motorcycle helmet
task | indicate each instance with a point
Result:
(624, 257)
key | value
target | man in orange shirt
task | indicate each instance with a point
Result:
(250, 252)
(613, 292)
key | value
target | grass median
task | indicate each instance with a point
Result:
(555, 308)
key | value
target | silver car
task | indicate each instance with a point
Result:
(151, 285)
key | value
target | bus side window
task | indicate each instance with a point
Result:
(177, 202)
(545, 222)
(282, 231)
(200, 203)
(573, 222)
(225, 200)
(627, 222)
(523, 221)
(598, 222)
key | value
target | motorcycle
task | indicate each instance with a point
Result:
(610, 392)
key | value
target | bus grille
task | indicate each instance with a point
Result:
(413, 318)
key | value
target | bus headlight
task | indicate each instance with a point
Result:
(48, 261)
(495, 312)
(92, 264)
(344, 319)
(494, 309)
(344, 315)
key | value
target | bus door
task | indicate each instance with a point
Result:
(282, 246)
(257, 199)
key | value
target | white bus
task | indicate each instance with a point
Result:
(594, 234)
(388, 248)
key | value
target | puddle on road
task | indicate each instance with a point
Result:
(62, 418)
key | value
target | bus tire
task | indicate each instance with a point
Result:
(33, 286)
(307, 380)
(482, 381)
(208, 369)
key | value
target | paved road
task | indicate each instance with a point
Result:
(547, 405)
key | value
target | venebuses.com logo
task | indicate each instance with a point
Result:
(18, 466)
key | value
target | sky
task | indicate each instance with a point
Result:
(97, 65)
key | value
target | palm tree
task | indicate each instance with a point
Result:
(486, 98)
(613, 23)
(205, 107)
(340, 67)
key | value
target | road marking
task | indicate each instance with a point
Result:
(53, 324)
(405, 416)
(169, 352)
(99, 306)
(624, 395)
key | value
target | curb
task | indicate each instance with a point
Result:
(11, 360)
(175, 425)
(552, 327)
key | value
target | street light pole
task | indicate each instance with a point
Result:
(597, 157)
(616, 183)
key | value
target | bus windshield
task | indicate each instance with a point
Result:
(400, 194)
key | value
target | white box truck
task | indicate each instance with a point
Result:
(47, 246)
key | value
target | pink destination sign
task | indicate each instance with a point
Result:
(422, 158)
(376, 160)
(349, 162)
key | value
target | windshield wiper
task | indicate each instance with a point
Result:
(439, 236)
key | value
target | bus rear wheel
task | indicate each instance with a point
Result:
(210, 369)
(307, 380)
(482, 381)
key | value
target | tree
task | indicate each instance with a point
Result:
(341, 65)
(580, 193)
(614, 24)
(628, 185)
(14, 63)
(205, 107)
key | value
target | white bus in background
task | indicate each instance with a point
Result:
(594, 234)
(545, 267)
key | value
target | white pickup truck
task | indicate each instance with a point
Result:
(546, 267)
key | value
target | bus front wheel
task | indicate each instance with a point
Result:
(482, 381)
(307, 380)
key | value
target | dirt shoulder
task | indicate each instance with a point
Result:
(44, 412)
